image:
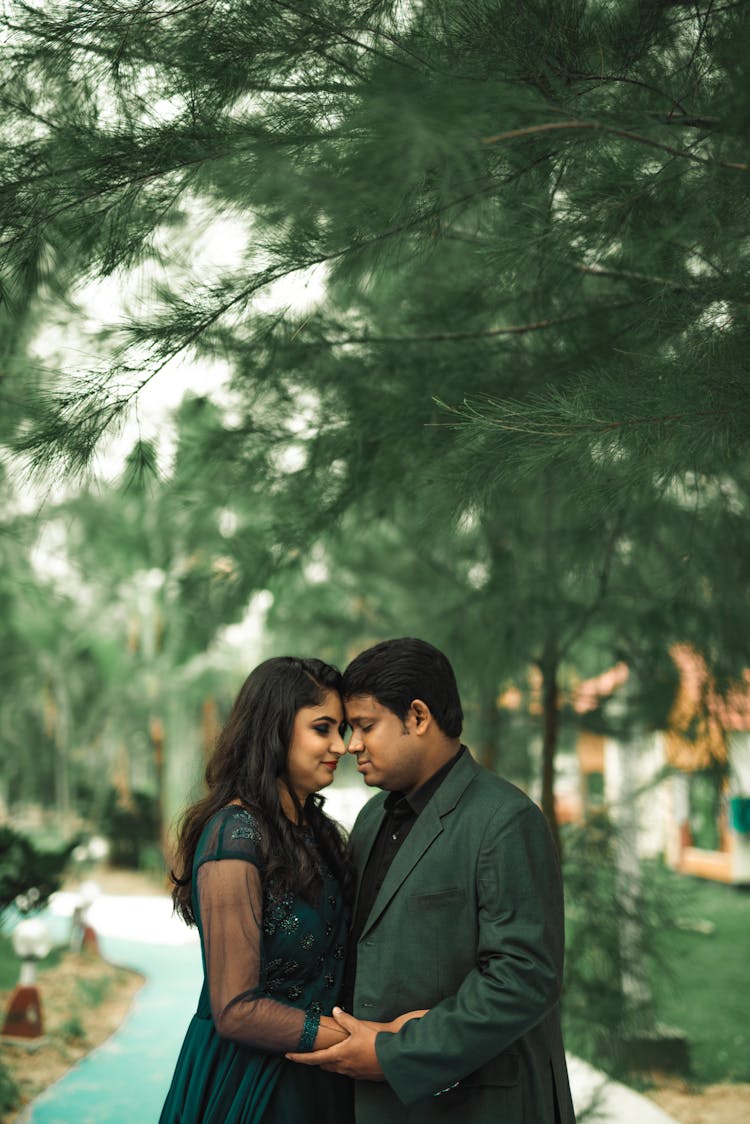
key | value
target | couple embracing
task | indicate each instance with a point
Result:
(408, 975)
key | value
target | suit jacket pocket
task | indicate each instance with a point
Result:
(503, 1070)
(449, 898)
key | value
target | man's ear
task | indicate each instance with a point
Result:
(422, 716)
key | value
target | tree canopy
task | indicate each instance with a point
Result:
(525, 370)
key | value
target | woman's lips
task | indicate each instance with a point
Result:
(330, 764)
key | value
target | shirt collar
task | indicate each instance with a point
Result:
(399, 804)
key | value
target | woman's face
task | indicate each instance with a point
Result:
(317, 746)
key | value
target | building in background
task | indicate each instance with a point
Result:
(689, 785)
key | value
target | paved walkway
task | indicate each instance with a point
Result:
(126, 1079)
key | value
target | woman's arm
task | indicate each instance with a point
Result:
(329, 1033)
(231, 908)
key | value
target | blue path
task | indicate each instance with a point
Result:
(125, 1080)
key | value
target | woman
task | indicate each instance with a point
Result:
(261, 871)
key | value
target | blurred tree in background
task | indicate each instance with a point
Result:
(515, 420)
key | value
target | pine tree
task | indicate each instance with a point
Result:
(531, 219)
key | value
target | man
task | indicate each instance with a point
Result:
(458, 909)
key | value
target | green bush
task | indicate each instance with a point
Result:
(73, 1030)
(9, 1091)
(93, 992)
(604, 1021)
(27, 872)
(132, 828)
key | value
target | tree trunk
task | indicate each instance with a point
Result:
(550, 719)
(210, 725)
(622, 754)
(156, 733)
(488, 725)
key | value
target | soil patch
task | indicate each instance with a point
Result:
(84, 1000)
(709, 1104)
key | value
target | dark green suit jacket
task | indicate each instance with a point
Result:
(468, 922)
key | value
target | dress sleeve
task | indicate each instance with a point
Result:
(230, 900)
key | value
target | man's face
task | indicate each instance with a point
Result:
(388, 754)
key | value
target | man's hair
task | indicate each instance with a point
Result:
(396, 672)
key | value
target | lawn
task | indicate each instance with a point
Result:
(705, 993)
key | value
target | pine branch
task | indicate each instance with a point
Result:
(259, 282)
(170, 12)
(699, 38)
(317, 21)
(528, 425)
(600, 79)
(487, 333)
(582, 620)
(695, 12)
(633, 275)
(624, 134)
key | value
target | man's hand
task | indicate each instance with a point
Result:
(354, 1057)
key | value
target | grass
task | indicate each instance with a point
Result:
(94, 991)
(704, 993)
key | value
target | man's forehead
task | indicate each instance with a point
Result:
(361, 706)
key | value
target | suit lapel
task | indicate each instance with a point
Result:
(426, 829)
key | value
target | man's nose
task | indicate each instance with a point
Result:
(355, 742)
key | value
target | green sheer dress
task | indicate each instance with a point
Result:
(272, 965)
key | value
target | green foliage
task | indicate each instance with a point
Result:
(132, 827)
(72, 1029)
(93, 992)
(601, 1016)
(547, 201)
(27, 873)
(10, 1094)
(9, 965)
(515, 421)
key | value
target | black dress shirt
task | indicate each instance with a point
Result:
(399, 816)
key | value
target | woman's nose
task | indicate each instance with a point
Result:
(338, 745)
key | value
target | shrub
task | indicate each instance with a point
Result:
(612, 948)
(132, 828)
(28, 873)
(9, 1092)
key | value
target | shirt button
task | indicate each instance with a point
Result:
(394, 836)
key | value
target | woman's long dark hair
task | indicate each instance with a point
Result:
(249, 758)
